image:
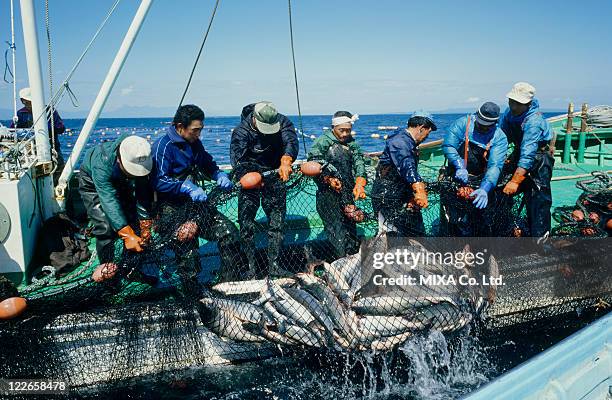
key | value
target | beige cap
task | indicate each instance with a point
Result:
(135, 155)
(266, 118)
(25, 94)
(521, 92)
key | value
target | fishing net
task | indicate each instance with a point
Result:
(202, 293)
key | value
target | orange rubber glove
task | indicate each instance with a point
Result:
(131, 241)
(145, 230)
(420, 195)
(512, 187)
(359, 189)
(334, 183)
(285, 168)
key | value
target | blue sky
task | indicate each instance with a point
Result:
(365, 56)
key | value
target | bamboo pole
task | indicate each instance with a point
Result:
(567, 148)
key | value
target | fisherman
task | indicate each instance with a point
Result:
(398, 193)
(263, 141)
(114, 186)
(25, 120)
(181, 165)
(335, 201)
(475, 148)
(526, 128)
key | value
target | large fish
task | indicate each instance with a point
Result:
(225, 324)
(401, 305)
(247, 287)
(444, 317)
(301, 335)
(288, 306)
(313, 305)
(375, 327)
(242, 310)
(344, 321)
(390, 342)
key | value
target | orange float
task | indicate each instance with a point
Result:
(578, 215)
(12, 307)
(104, 272)
(251, 180)
(464, 192)
(594, 217)
(311, 168)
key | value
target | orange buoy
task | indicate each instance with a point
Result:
(12, 307)
(104, 272)
(588, 231)
(594, 217)
(577, 215)
(353, 213)
(517, 232)
(464, 192)
(251, 180)
(187, 231)
(311, 168)
(609, 224)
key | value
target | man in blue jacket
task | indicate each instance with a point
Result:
(265, 140)
(398, 193)
(526, 128)
(180, 165)
(486, 153)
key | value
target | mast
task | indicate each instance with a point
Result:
(101, 99)
(28, 21)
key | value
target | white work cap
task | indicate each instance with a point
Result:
(135, 153)
(521, 92)
(25, 94)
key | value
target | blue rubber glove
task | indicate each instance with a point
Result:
(223, 181)
(461, 174)
(481, 195)
(194, 191)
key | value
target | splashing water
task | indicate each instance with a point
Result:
(425, 367)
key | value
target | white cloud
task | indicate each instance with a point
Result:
(472, 99)
(127, 90)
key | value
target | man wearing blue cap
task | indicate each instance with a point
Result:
(475, 148)
(398, 192)
(526, 128)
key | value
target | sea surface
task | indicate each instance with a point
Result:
(217, 130)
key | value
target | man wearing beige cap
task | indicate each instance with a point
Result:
(114, 185)
(263, 141)
(524, 125)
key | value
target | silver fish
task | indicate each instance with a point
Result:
(246, 287)
(343, 320)
(390, 342)
(242, 310)
(373, 327)
(444, 317)
(226, 325)
(313, 305)
(300, 335)
(395, 305)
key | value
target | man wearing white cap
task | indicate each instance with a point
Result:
(526, 128)
(114, 185)
(265, 140)
(25, 119)
(339, 189)
(475, 148)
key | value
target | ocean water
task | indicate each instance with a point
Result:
(217, 130)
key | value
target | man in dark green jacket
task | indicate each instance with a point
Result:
(114, 185)
(346, 170)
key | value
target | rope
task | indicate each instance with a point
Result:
(297, 90)
(195, 64)
(600, 116)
